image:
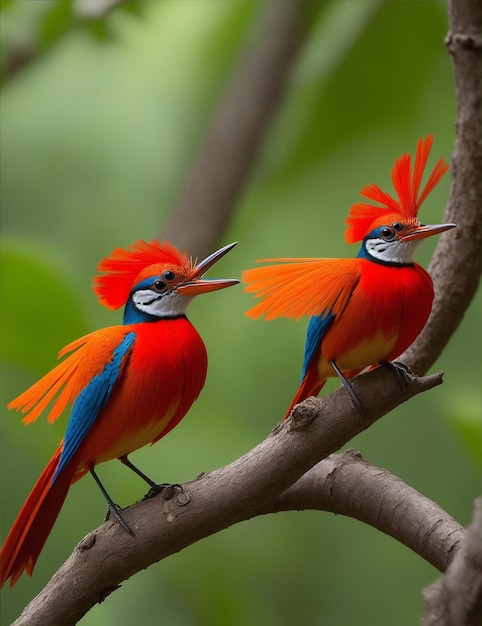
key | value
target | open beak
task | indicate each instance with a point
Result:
(197, 284)
(425, 230)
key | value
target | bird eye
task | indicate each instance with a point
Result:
(387, 233)
(397, 226)
(160, 285)
(169, 275)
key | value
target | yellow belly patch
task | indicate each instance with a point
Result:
(360, 356)
(132, 440)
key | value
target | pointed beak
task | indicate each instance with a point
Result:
(425, 230)
(197, 284)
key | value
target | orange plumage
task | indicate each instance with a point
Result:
(364, 310)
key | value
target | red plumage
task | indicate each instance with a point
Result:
(364, 217)
(129, 385)
(32, 526)
(125, 268)
(380, 320)
(364, 310)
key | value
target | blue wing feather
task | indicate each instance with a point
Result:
(316, 329)
(91, 400)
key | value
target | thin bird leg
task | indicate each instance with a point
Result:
(403, 373)
(130, 465)
(113, 508)
(349, 388)
(154, 487)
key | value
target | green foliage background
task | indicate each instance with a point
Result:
(97, 136)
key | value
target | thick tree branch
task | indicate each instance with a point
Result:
(456, 599)
(456, 265)
(237, 492)
(463, 579)
(346, 484)
(228, 154)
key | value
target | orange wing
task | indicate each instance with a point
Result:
(303, 287)
(66, 381)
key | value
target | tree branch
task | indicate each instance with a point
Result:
(456, 265)
(228, 154)
(58, 21)
(237, 492)
(346, 484)
(456, 599)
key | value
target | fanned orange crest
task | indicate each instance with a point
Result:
(362, 215)
(126, 267)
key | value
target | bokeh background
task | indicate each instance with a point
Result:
(98, 132)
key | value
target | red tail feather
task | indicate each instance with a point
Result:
(310, 386)
(32, 527)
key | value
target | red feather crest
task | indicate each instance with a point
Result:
(125, 268)
(362, 215)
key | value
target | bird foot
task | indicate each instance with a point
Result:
(169, 490)
(113, 511)
(403, 373)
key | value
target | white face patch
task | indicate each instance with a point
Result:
(169, 304)
(395, 251)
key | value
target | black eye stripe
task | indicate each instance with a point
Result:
(148, 303)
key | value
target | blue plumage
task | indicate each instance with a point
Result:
(316, 329)
(91, 400)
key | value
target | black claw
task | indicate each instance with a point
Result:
(169, 490)
(114, 510)
(403, 373)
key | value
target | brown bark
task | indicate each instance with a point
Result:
(456, 599)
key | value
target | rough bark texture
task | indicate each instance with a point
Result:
(456, 599)
(346, 484)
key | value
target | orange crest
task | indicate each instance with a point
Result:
(362, 215)
(125, 268)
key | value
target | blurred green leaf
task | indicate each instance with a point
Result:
(99, 29)
(134, 7)
(352, 74)
(55, 23)
(40, 311)
(5, 4)
(467, 422)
